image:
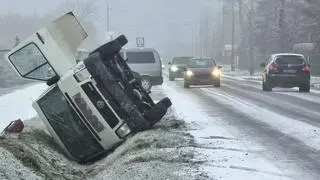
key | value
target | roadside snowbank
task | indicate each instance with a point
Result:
(18, 104)
(164, 152)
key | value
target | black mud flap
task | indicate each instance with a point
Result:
(108, 85)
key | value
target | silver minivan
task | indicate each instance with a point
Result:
(146, 62)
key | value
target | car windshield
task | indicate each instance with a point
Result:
(201, 63)
(180, 60)
(289, 60)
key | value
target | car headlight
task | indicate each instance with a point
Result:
(174, 68)
(189, 73)
(123, 131)
(216, 72)
(82, 75)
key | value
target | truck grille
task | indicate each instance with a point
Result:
(86, 111)
(100, 104)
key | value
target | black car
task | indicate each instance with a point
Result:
(202, 71)
(177, 66)
(286, 71)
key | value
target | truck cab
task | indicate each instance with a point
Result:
(84, 123)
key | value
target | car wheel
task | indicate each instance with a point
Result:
(146, 84)
(304, 88)
(266, 86)
(186, 85)
(171, 78)
(217, 84)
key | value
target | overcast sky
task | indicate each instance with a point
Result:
(156, 20)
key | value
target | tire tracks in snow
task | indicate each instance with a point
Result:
(284, 145)
(296, 108)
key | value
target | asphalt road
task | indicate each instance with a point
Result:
(285, 123)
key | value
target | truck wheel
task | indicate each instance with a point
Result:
(217, 84)
(266, 86)
(304, 88)
(186, 85)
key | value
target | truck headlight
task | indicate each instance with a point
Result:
(216, 72)
(82, 75)
(189, 73)
(174, 68)
(123, 131)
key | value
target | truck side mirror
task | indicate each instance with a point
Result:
(53, 80)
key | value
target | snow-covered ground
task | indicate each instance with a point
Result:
(191, 142)
(224, 156)
(186, 144)
(164, 152)
(18, 103)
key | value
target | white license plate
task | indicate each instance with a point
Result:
(290, 71)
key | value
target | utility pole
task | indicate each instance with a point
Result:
(282, 25)
(108, 14)
(233, 37)
(251, 16)
(194, 36)
(206, 38)
(224, 7)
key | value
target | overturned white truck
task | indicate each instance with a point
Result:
(90, 106)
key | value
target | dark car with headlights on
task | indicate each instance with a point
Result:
(202, 71)
(177, 66)
(286, 71)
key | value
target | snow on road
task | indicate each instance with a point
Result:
(18, 104)
(304, 132)
(212, 150)
(226, 156)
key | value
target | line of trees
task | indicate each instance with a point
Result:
(301, 24)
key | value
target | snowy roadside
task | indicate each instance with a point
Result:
(18, 103)
(164, 152)
(223, 154)
(186, 144)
